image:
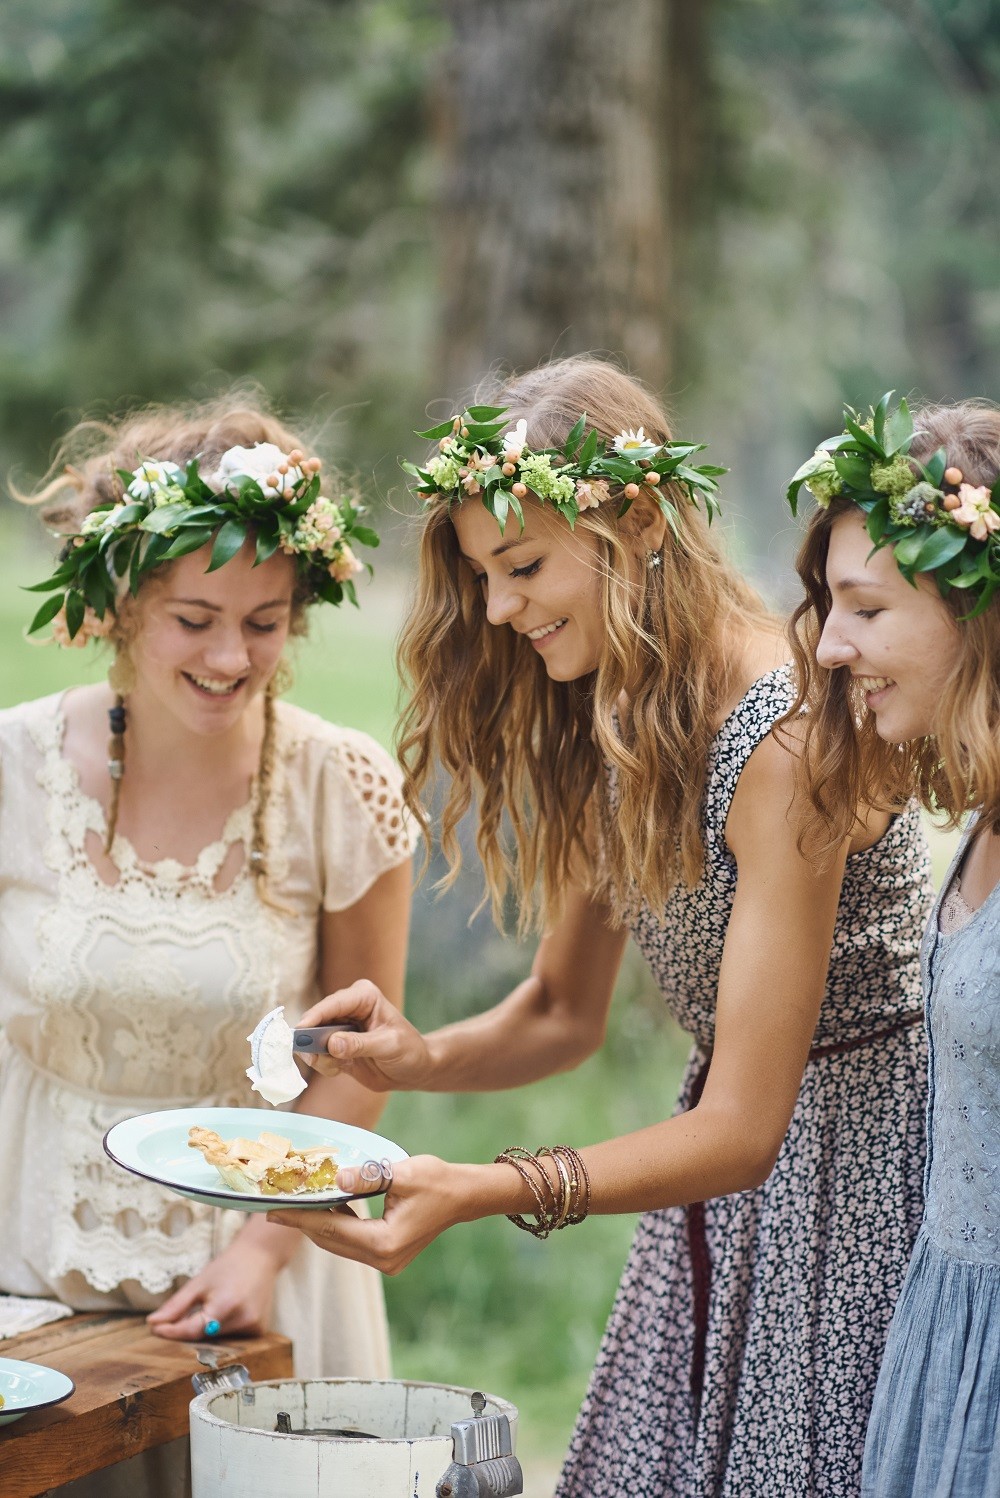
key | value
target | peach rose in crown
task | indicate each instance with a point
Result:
(975, 510)
(591, 492)
(92, 628)
(345, 566)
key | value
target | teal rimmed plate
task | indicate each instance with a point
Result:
(155, 1146)
(30, 1386)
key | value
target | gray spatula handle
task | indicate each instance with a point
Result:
(313, 1041)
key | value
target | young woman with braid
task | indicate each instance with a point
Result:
(605, 682)
(226, 853)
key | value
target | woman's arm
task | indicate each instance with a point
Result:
(237, 1286)
(771, 985)
(551, 1022)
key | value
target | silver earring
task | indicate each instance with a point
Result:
(653, 560)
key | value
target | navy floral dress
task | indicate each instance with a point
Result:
(742, 1352)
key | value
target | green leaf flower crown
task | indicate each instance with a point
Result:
(481, 454)
(933, 520)
(165, 511)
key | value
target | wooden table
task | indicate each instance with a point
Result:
(132, 1393)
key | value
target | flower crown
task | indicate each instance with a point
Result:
(933, 520)
(481, 454)
(166, 511)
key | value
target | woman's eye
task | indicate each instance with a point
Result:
(867, 613)
(262, 629)
(192, 623)
(528, 571)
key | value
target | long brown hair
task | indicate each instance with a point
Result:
(845, 763)
(533, 754)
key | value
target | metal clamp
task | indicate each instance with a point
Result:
(484, 1464)
(220, 1380)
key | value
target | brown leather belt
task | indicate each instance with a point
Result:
(701, 1263)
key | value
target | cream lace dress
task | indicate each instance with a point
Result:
(116, 1000)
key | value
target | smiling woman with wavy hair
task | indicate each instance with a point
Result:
(591, 674)
(899, 643)
(531, 747)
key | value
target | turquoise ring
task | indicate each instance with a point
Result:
(212, 1328)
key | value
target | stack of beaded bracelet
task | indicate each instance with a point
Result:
(559, 1206)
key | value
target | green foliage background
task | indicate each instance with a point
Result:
(193, 194)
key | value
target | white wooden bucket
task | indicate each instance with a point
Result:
(237, 1451)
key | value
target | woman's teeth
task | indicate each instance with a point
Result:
(546, 629)
(217, 688)
(873, 683)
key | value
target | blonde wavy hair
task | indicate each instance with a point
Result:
(844, 762)
(84, 474)
(534, 754)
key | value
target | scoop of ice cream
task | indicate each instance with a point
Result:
(273, 1072)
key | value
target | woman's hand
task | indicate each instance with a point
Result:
(426, 1196)
(388, 1055)
(236, 1289)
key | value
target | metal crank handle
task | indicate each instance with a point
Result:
(313, 1040)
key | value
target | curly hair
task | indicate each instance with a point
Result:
(844, 762)
(600, 780)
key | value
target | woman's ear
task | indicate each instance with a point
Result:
(647, 523)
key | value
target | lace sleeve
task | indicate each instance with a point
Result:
(366, 829)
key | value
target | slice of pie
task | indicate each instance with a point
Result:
(267, 1166)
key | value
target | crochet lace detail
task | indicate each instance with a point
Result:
(121, 980)
(379, 797)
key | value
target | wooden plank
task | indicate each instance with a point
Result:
(132, 1393)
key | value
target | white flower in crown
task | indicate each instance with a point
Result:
(151, 479)
(101, 520)
(265, 463)
(635, 445)
(515, 441)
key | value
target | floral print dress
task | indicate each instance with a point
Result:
(743, 1348)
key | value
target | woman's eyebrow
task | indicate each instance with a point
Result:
(498, 550)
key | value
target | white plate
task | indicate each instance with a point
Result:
(155, 1145)
(30, 1386)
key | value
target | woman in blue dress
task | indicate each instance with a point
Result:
(907, 699)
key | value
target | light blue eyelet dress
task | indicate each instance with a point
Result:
(935, 1423)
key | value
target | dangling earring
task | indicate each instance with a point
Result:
(116, 766)
(121, 673)
(653, 560)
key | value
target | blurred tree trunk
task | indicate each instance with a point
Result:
(692, 173)
(553, 216)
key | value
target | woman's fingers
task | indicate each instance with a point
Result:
(177, 1306)
(367, 1179)
(359, 1002)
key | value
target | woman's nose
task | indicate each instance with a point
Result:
(502, 603)
(227, 652)
(833, 649)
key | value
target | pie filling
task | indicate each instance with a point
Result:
(267, 1166)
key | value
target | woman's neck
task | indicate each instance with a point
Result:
(158, 742)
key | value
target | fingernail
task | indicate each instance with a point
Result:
(336, 1046)
(347, 1178)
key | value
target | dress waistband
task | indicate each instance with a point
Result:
(124, 1101)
